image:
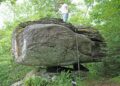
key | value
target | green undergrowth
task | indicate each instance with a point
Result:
(11, 72)
(64, 79)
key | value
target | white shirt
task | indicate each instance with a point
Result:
(64, 9)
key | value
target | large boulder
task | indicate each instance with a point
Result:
(51, 42)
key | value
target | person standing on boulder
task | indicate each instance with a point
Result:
(64, 11)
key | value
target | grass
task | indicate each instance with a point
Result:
(65, 80)
(11, 72)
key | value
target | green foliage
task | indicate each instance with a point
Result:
(79, 20)
(35, 81)
(10, 71)
(106, 16)
(111, 66)
(62, 80)
(88, 2)
(116, 79)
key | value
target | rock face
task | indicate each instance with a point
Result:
(51, 42)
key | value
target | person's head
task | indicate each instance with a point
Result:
(66, 6)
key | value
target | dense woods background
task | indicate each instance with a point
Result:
(101, 14)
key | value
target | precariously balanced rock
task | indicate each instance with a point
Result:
(52, 42)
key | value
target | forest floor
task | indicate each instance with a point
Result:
(103, 83)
